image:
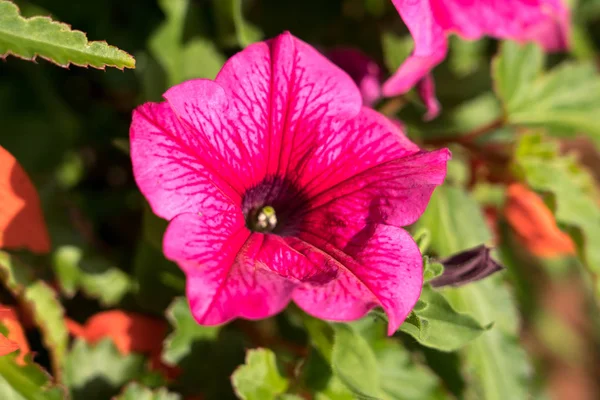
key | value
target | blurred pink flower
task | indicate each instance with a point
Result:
(280, 186)
(369, 77)
(545, 22)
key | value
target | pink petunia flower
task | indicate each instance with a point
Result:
(280, 186)
(545, 22)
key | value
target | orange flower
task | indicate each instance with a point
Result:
(130, 332)
(21, 219)
(16, 338)
(534, 223)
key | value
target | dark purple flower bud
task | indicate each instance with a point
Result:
(467, 266)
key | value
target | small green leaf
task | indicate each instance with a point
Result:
(43, 303)
(454, 220)
(233, 28)
(96, 277)
(54, 41)
(135, 391)
(565, 100)
(98, 372)
(446, 329)
(431, 269)
(28, 382)
(354, 363)
(186, 331)
(259, 378)
(396, 49)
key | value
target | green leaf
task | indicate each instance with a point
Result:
(54, 41)
(135, 391)
(259, 378)
(396, 49)
(43, 303)
(232, 27)
(565, 100)
(96, 277)
(99, 371)
(28, 382)
(318, 378)
(455, 221)
(539, 162)
(431, 269)
(354, 363)
(497, 365)
(446, 329)
(186, 331)
(197, 59)
(401, 378)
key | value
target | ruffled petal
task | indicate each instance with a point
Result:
(380, 265)
(227, 268)
(430, 21)
(343, 150)
(170, 165)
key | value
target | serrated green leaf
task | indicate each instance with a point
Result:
(135, 391)
(96, 277)
(565, 100)
(43, 303)
(99, 371)
(454, 220)
(259, 378)
(354, 363)
(232, 27)
(539, 162)
(54, 41)
(446, 329)
(186, 331)
(26, 382)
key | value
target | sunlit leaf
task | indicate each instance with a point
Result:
(54, 41)
(135, 391)
(26, 381)
(259, 378)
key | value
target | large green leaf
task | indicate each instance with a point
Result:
(259, 378)
(354, 363)
(455, 221)
(43, 303)
(497, 365)
(99, 371)
(27, 382)
(135, 391)
(539, 162)
(54, 41)
(440, 326)
(565, 100)
(186, 331)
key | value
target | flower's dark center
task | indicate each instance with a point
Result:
(263, 220)
(275, 205)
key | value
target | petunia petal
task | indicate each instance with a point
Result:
(430, 21)
(336, 152)
(279, 91)
(379, 265)
(170, 165)
(394, 193)
(226, 267)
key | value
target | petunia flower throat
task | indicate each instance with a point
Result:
(280, 186)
